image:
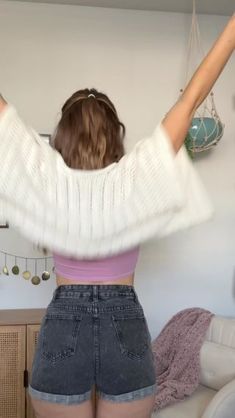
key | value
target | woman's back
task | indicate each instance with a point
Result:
(109, 270)
(90, 136)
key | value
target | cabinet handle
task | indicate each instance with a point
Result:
(26, 378)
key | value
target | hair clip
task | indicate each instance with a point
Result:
(91, 95)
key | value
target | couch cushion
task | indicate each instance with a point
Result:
(222, 331)
(217, 365)
(192, 407)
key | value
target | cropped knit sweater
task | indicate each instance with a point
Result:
(91, 214)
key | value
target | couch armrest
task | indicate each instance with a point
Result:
(223, 403)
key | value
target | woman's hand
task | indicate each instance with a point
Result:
(3, 103)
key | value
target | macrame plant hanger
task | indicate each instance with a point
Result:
(206, 128)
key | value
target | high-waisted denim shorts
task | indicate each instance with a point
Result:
(93, 335)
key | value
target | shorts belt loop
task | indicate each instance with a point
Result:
(95, 293)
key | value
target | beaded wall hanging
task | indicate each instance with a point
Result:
(33, 269)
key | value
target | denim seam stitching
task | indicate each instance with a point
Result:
(134, 395)
(51, 397)
(66, 352)
(123, 348)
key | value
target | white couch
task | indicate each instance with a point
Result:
(215, 396)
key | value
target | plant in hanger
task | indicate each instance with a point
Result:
(206, 128)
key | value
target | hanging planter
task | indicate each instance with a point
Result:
(205, 131)
(206, 128)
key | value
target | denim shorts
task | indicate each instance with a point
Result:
(93, 335)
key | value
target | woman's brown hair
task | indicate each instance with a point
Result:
(89, 134)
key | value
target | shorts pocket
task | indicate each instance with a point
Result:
(59, 335)
(132, 334)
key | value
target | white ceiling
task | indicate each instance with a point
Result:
(220, 7)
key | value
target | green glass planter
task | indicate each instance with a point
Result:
(203, 133)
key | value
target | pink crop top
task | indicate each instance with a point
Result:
(104, 269)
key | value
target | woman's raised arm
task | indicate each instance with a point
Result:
(178, 119)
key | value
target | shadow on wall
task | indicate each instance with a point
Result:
(233, 283)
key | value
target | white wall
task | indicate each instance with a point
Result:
(138, 58)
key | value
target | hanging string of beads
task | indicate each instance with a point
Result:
(14, 265)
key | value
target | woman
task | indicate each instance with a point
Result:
(93, 207)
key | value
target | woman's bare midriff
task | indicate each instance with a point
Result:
(129, 280)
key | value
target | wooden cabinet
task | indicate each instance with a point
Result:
(18, 339)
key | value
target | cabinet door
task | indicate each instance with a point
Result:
(12, 366)
(32, 339)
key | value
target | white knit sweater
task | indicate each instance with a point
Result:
(88, 214)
